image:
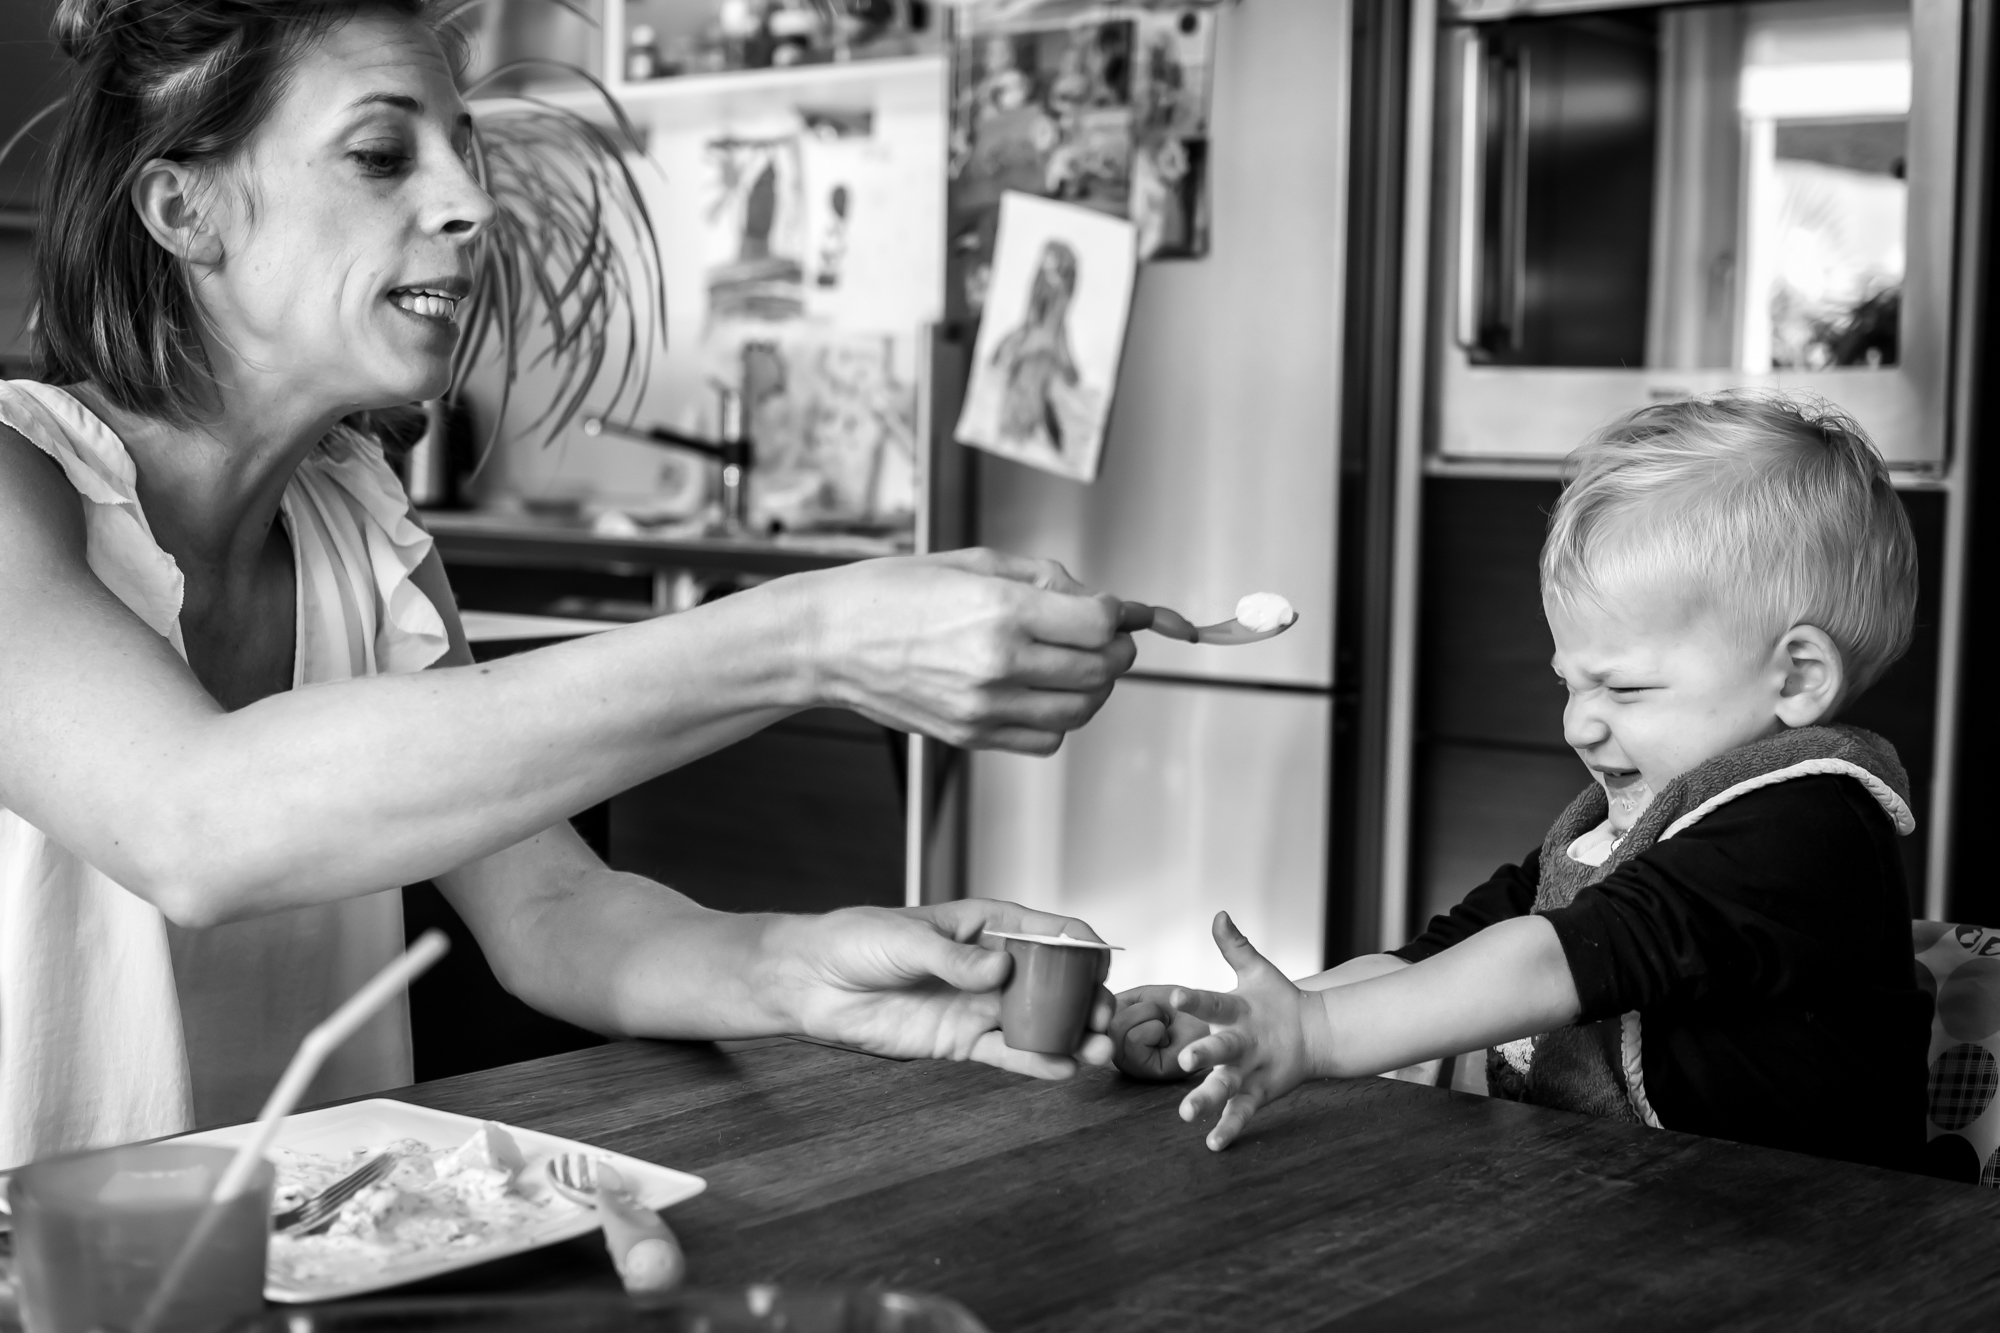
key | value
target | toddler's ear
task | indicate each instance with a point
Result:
(1814, 676)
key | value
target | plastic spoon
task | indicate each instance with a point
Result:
(1171, 624)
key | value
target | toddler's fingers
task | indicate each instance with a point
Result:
(1234, 1117)
(1134, 1021)
(1237, 950)
(1216, 1089)
(1207, 1005)
(1150, 1034)
(1217, 1048)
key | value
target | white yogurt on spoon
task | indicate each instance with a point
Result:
(1261, 611)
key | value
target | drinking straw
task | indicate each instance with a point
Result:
(321, 1042)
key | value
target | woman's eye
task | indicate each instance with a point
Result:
(379, 161)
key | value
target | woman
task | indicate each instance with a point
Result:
(218, 741)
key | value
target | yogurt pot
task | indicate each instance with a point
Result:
(1045, 1007)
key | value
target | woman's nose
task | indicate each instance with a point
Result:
(461, 209)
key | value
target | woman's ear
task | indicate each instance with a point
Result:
(164, 193)
(1814, 676)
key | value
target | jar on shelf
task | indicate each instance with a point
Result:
(642, 54)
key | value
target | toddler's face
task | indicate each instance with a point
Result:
(1655, 692)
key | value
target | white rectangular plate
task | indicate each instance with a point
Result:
(340, 1130)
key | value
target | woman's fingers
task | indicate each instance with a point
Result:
(1235, 1115)
(1046, 666)
(1134, 616)
(1031, 570)
(1072, 619)
(967, 919)
(992, 1049)
(966, 967)
(1096, 1050)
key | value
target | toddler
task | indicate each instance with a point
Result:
(1715, 935)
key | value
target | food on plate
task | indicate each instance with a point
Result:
(1260, 611)
(437, 1202)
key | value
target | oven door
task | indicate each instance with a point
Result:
(1638, 203)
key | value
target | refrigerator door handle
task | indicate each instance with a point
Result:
(1471, 184)
(1493, 140)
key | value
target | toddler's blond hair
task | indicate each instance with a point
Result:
(1770, 509)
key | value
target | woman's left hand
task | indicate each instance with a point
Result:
(916, 983)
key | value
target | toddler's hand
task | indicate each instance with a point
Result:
(1264, 1033)
(1148, 1034)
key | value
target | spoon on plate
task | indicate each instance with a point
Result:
(1259, 616)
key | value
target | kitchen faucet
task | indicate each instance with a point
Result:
(734, 451)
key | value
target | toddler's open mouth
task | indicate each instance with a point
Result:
(1627, 790)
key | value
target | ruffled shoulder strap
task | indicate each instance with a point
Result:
(360, 611)
(119, 542)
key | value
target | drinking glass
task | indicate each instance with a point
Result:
(95, 1232)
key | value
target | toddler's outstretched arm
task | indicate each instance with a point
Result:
(1148, 1033)
(1267, 1036)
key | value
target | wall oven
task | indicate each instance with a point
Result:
(1636, 202)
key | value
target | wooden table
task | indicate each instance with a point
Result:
(1360, 1205)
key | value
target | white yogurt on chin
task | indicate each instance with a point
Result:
(1262, 611)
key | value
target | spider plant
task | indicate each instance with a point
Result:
(570, 263)
(570, 253)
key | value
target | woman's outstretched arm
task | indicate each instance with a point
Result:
(622, 955)
(110, 745)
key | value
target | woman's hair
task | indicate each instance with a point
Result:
(184, 80)
(1769, 509)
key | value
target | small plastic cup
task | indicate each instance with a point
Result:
(94, 1234)
(1045, 1006)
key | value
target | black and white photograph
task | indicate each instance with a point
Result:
(998, 666)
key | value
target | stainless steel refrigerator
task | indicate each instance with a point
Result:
(1203, 783)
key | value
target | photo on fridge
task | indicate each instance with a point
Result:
(1045, 363)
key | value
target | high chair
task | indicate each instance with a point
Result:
(1959, 967)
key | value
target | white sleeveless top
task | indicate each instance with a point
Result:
(114, 1024)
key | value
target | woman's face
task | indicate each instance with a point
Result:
(346, 227)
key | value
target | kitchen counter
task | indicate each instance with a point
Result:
(1366, 1204)
(531, 541)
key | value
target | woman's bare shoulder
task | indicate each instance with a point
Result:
(41, 516)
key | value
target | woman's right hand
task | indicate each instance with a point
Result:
(976, 648)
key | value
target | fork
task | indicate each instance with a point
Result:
(318, 1211)
(642, 1249)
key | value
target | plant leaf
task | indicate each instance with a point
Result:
(571, 254)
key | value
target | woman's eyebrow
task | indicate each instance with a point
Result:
(400, 101)
(403, 102)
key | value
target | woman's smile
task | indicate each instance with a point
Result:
(434, 301)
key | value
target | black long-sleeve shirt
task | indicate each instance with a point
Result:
(1767, 950)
